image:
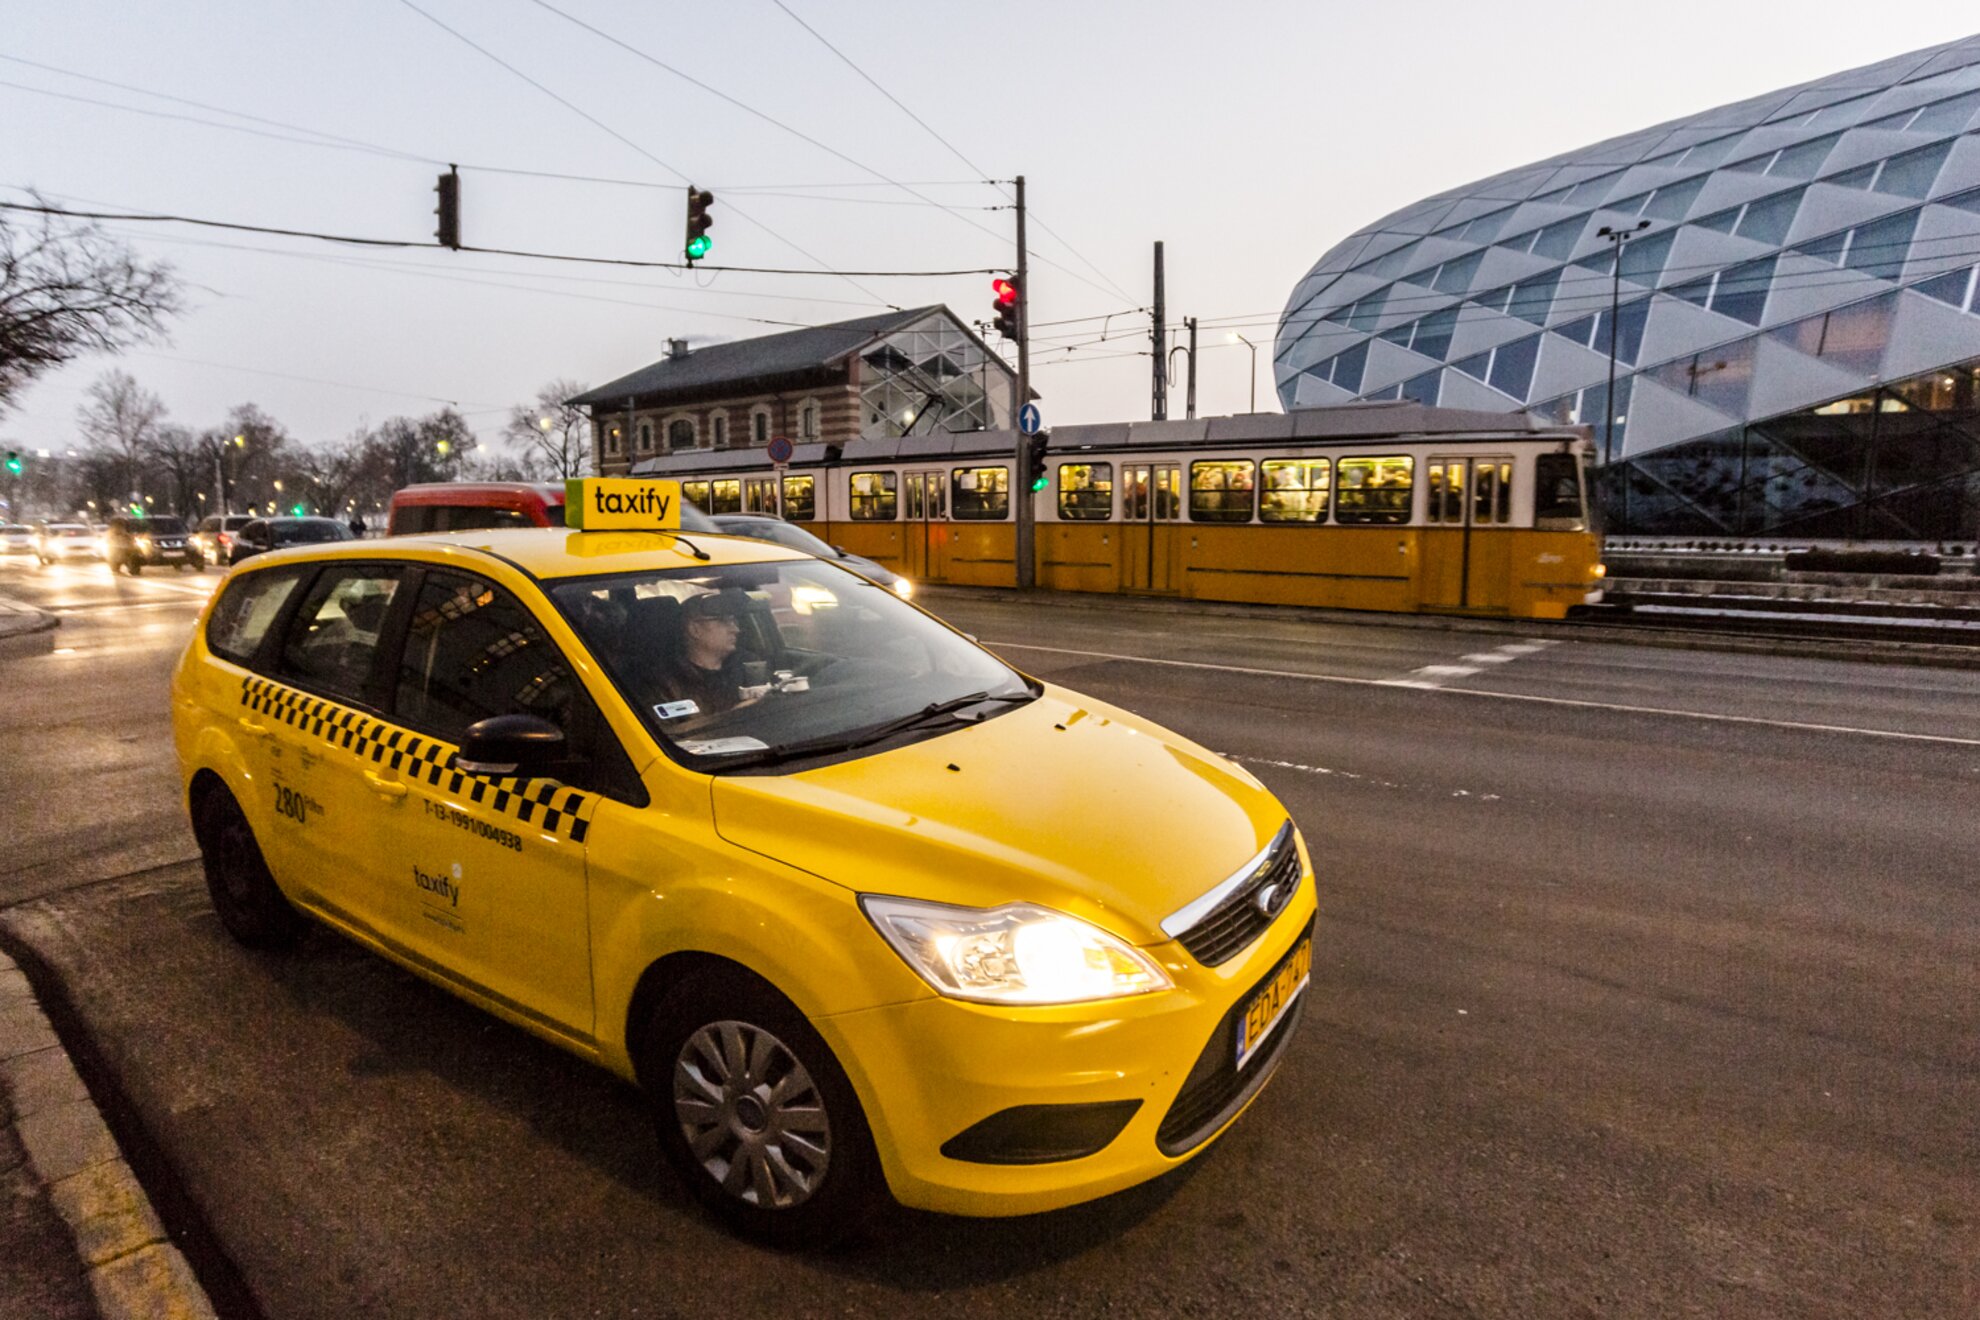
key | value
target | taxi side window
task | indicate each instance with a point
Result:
(247, 608)
(334, 635)
(471, 652)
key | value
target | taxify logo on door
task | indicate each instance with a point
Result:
(440, 886)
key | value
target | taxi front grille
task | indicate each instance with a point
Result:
(1228, 929)
(1216, 1087)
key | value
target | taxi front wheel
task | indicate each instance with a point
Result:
(250, 905)
(756, 1116)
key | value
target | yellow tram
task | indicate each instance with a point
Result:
(1370, 507)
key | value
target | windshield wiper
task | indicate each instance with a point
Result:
(875, 733)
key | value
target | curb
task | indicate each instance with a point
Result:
(25, 630)
(133, 1269)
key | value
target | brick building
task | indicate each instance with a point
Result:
(900, 373)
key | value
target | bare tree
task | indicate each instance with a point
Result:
(69, 290)
(550, 435)
(184, 467)
(121, 417)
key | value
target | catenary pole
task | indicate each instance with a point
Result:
(1616, 237)
(1159, 409)
(1024, 497)
(1189, 399)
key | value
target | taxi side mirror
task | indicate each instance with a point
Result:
(519, 745)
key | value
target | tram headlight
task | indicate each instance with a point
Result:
(1019, 953)
(1599, 571)
(904, 588)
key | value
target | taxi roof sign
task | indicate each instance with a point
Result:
(622, 504)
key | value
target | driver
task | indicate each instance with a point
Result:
(707, 669)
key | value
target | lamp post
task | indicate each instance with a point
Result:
(1237, 338)
(1616, 238)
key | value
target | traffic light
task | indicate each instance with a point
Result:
(14, 464)
(1006, 306)
(449, 209)
(1034, 461)
(698, 221)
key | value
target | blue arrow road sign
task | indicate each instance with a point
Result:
(1030, 420)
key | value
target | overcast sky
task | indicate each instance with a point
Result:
(1250, 136)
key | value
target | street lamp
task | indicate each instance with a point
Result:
(1617, 238)
(1237, 338)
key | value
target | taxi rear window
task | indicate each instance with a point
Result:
(247, 607)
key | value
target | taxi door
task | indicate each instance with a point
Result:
(1151, 535)
(483, 878)
(925, 538)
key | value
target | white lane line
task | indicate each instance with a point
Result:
(1497, 696)
(1430, 676)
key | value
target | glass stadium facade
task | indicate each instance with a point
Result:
(1796, 329)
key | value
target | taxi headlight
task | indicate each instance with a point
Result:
(1016, 954)
(903, 588)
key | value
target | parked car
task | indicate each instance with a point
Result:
(763, 527)
(464, 506)
(214, 537)
(272, 533)
(16, 539)
(65, 541)
(134, 543)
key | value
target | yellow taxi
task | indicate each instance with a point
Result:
(863, 909)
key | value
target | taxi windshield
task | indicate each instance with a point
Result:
(768, 664)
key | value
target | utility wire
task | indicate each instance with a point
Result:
(497, 252)
(952, 148)
(798, 133)
(682, 175)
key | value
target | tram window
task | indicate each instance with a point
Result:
(760, 495)
(1086, 492)
(1557, 493)
(1220, 491)
(1491, 494)
(725, 496)
(695, 493)
(873, 497)
(800, 499)
(1444, 501)
(980, 493)
(1374, 490)
(1168, 494)
(1295, 490)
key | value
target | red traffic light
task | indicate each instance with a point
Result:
(1006, 291)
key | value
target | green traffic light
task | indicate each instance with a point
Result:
(698, 246)
(14, 464)
(297, 510)
(1039, 483)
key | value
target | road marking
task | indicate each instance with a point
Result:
(1498, 696)
(1434, 676)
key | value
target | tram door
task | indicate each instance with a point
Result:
(925, 530)
(1151, 528)
(760, 495)
(1467, 546)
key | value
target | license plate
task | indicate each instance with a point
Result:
(1268, 1006)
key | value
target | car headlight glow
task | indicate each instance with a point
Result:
(144, 544)
(903, 588)
(1016, 954)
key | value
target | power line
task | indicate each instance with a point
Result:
(952, 148)
(496, 252)
(314, 380)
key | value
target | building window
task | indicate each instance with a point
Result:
(759, 425)
(612, 440)
(680, 434)
(808, 419)
(646, 437)
(720, 427)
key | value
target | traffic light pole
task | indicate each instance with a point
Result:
(1021, 485)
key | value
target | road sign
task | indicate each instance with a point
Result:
(1030, 420)
(781, 450)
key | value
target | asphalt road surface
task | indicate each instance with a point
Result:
(1648, 982)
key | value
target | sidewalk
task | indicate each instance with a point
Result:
(78, 1233)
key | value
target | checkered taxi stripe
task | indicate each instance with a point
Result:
(542, 803)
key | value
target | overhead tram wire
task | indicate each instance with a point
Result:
(952, 148)
(607, 128)
(501, 252)
(798, 133)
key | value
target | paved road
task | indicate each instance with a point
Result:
(1648, 985)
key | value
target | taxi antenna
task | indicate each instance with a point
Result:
(693, 549)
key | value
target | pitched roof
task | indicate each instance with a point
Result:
(753, 359)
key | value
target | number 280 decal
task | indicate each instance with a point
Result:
(297, 806)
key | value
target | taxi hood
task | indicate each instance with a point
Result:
(1064, 802)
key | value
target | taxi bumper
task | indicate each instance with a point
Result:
(1156, 1072)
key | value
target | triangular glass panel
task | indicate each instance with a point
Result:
(1966, 201)
(1722, 221)
(1860, 177)
(1804, 160)
(1911, 174)
(1947, 116)
(1671, 201)
(1879, 248)
(1950, 288)
(1474, 366)
(1643, 260)
(1696, 292)
(1558, 239)
(1577, 332)
(1422, 389)
(1769, 219)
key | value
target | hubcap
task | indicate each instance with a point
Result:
(751, 1114)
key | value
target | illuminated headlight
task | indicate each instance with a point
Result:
(1600, 570)
(903, 588)
(1016, 954)
(144, 544)
(805, 599)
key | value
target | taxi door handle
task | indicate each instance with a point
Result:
(253, 728)
(386, 787)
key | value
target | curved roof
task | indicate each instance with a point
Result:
(1782, 251)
